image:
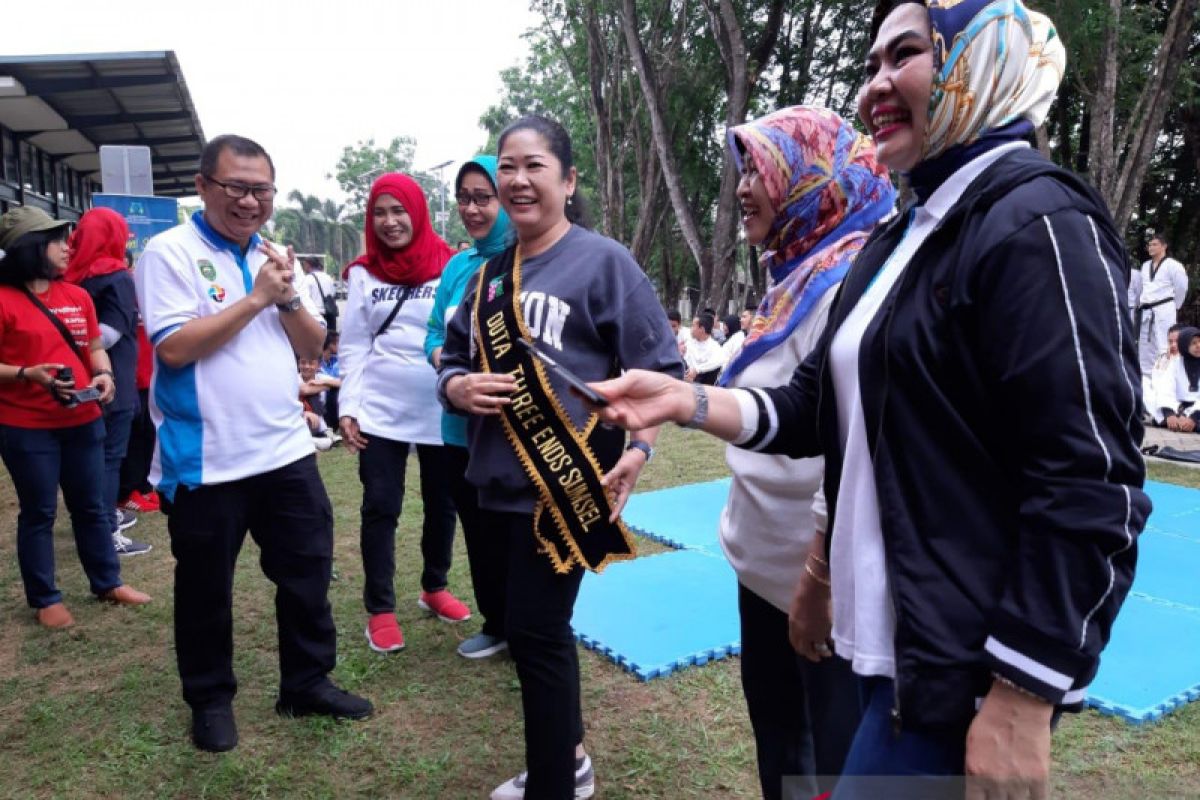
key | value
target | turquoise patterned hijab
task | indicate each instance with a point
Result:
(501, 235)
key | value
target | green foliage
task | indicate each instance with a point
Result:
(361, 164)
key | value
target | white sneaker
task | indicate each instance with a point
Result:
(585, 783)
(129, 547)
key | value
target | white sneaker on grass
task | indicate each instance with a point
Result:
(128, 547)
(585, 783)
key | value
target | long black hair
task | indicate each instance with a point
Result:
(559, 142)
(26, 260)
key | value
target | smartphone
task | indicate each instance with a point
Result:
(577, 385)
(86, 395)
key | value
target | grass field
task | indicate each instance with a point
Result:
(95, 712)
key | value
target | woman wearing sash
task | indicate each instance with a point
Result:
(487, 224)
(811, 192)
(551, 479)
(48, 438)
(975, 397)
(385, 401)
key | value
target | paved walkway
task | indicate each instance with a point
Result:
(1165, 438)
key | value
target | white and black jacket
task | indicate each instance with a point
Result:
(1001, 395)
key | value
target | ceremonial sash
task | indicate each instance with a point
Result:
(570, 519)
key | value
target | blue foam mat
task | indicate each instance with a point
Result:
(1176, 510)
(658, 614)
(1152, 663)
(684, 517)
(661, 613)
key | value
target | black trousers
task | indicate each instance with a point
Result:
(381, 469)
(135, 467)
(542, 644)
(487, 548)
(804, 715)
(331, 408)
(288, 513)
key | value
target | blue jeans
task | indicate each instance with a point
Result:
(39, 461)
(883, 762)
(117, 425)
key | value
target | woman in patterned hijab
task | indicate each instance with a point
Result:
(825, 192)
(811, 193)
(975, 399)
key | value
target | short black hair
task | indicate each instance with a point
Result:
(238, 145)
(330, 338)
(674, 316)
(1178, 326)
(26, 260)
(559, 142)
(1158, 237)
(706, 321)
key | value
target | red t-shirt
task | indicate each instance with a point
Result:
(28, 338)
(145, 359)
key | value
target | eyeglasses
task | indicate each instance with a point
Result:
(480, 199)
(236, 191)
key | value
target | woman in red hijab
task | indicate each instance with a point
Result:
(388, 400)
(98, 265)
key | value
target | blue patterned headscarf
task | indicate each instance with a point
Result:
(997, 68)
(828, 191)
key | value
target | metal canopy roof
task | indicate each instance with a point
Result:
(69, 105)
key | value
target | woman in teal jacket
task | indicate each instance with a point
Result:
(487, 223)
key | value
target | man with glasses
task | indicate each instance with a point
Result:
(233, 452)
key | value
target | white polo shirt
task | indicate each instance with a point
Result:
(234, 413)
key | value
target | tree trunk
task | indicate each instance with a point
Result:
(1144, 131)
(741, 73)
(650, 91)
(611, 201)
(1102, 163)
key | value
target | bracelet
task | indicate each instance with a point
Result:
(823, 581)
(107, 372)
(701, 412)
(20, 376)
(644, 447)
(998, 678)
(819, 560)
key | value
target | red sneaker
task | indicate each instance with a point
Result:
(446, 606)
(383, 633)
(142, 503)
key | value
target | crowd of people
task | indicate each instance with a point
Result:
(929, 564)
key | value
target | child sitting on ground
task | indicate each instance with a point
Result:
(312, 390)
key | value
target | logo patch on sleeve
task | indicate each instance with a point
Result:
(207, 269)
(216, 293)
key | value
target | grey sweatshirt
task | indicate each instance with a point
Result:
(587, 304)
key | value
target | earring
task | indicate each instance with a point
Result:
(570, 199)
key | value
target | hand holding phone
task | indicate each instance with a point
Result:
(87, 395)
(575, 383)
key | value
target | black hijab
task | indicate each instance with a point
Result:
(1191, 363)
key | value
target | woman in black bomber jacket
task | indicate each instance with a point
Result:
(976, 400)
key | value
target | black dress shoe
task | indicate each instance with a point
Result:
(213, 729)
(324, 700)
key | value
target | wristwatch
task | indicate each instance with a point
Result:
(637, 444)
(295, 304)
